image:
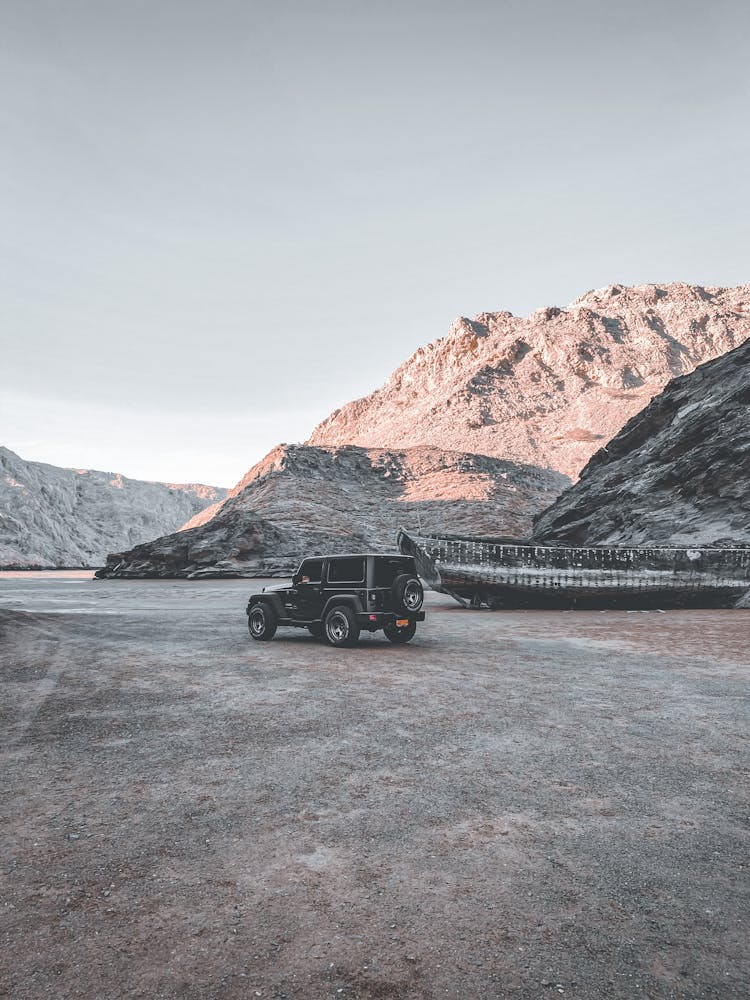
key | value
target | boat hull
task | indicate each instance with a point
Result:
(497, 573)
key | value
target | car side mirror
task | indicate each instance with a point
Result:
(296, 579)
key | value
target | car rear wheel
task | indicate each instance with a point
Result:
(262, 622)
(400, 633)
(340, 626)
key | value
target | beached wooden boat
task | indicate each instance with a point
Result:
(501, 572)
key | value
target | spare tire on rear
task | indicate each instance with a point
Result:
(407, 593)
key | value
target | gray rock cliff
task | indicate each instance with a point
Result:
(52, 517)
(678, 473)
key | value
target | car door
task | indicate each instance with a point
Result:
(308, 588)
(346, 575)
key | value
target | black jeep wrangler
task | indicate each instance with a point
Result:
(338, 596)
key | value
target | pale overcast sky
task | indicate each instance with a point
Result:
(223, 218)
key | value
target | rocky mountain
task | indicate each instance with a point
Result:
(73, 517)
(549, 389)
(678, 473)
(301, 500)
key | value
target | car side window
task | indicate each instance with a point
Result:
(346, 571)
(311, 571)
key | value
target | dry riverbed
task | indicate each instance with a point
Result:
(518, 804)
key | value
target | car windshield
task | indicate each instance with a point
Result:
(386, 570)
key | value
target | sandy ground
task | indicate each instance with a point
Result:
(517, 804)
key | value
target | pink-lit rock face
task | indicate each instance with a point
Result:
(73, 517)
(549, 389)
(677, 474)
(301, 501)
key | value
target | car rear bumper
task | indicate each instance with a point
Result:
(373, 620)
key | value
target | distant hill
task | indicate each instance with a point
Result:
(678, 473)
(302, 501)
(550, 389)
(53, 517)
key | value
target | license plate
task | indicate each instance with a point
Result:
(401, 622)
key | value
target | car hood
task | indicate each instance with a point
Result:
(276, 586)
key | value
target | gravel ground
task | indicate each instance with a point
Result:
(518, 804)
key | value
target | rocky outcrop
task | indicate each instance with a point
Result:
(301, 501)
(678, 473)
(550, 389)
(53, 517)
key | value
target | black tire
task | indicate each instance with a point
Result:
(407, 593)
(340, 626)
(316, 629)
(262, 622)
(403, 633)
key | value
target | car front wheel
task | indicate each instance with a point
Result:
(262, 622)
(340, 626)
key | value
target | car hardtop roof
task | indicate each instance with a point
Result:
(361, 555)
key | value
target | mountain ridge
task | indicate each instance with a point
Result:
(538, 393)
(547, 389)
(54, 517)
(301, 500)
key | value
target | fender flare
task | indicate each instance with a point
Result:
(273, 599)
(349, 599)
